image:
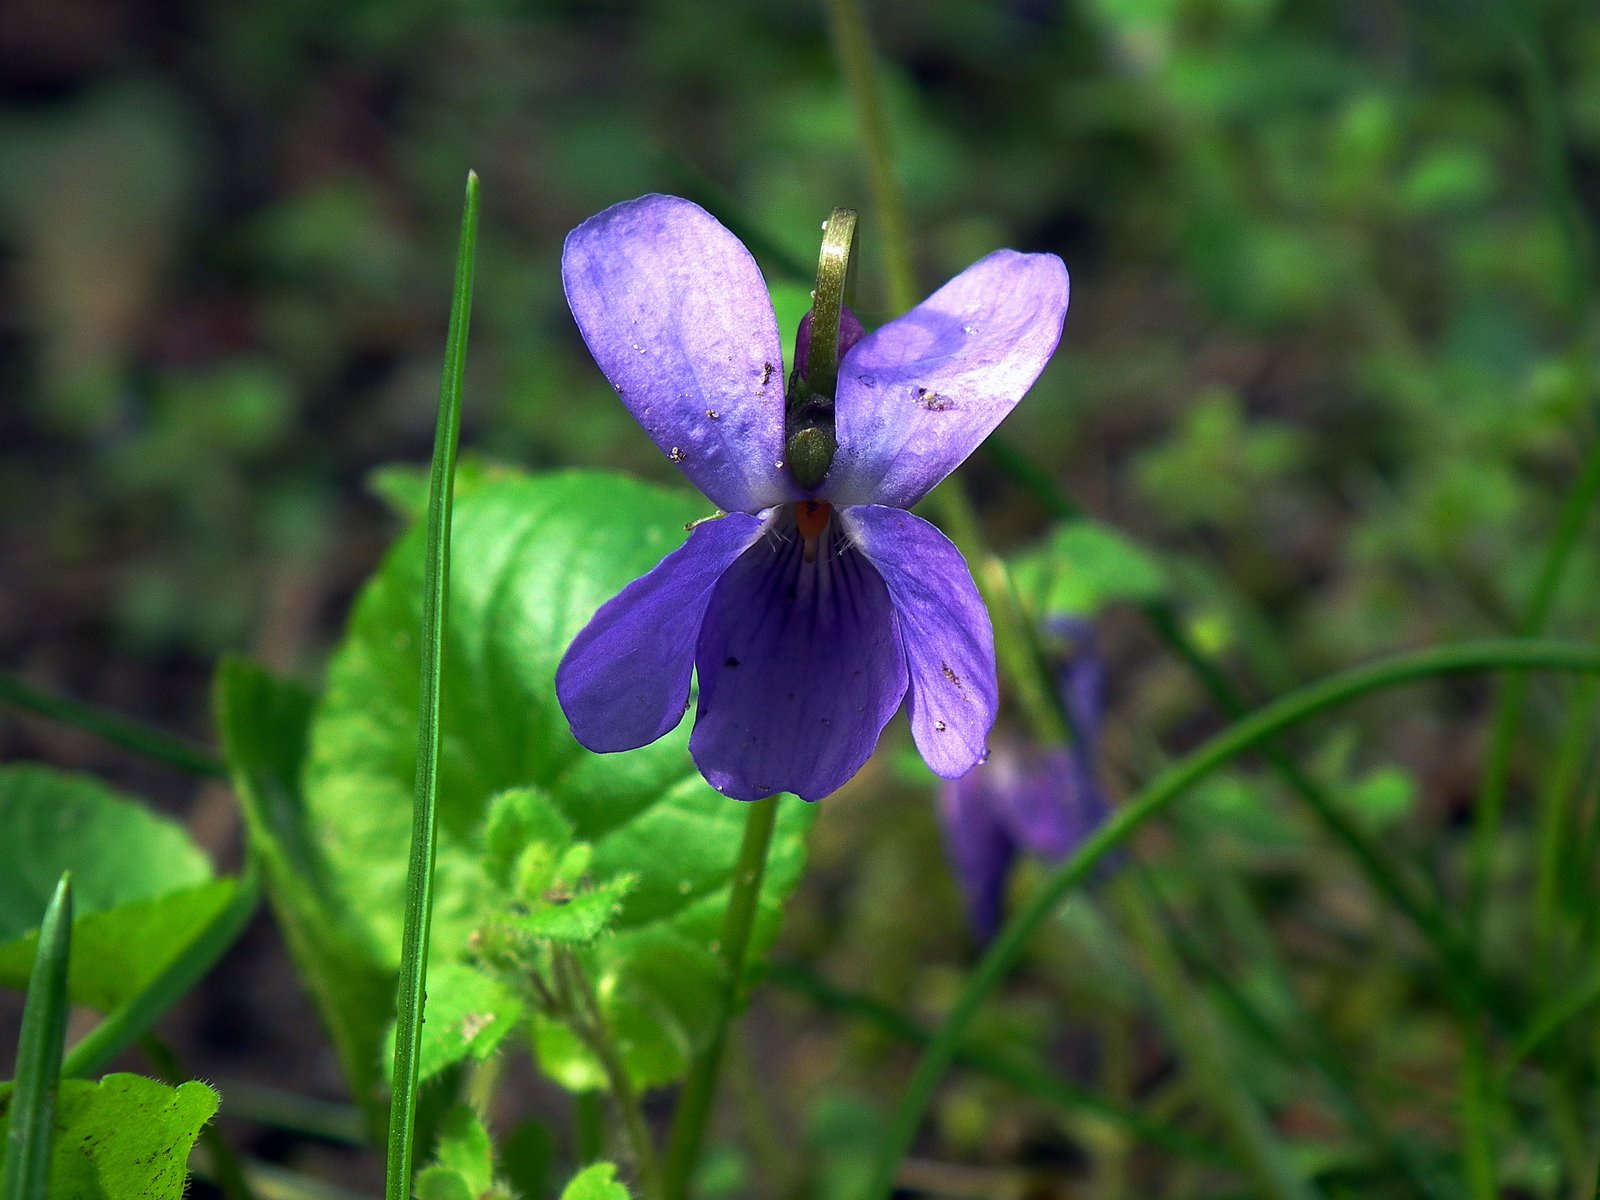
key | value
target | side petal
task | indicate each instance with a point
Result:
(624, 681)
(944, 629)
(677, 316)
(918, 395)
(800, 670)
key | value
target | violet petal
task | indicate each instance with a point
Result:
(944, 629)
(799, 666)
(624, 681)
(851, 331)
(918, 395)
(980, 849)
(1040, 796)
(677, 316)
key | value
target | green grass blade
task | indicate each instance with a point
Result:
(424, 825)
(112, 727)
(44, 1030)
(1024, 1077)
(131, 1021)
(1422, 909)
(1240, 738)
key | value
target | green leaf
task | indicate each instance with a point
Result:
(123, 1138)
(404, 486)
(579, 919)
(1082, 567)
(118, 851)
(264, 726)
(468, 1015)
(142, 891)
(529, 852)
(532, 558)
(598, 1182)
(463, 1166)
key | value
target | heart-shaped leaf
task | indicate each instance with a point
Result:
(142, 891)
(531, 560)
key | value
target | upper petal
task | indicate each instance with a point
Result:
(944, 629)
(624, 681)
(676, 314)
(800, 669)
(918, 395)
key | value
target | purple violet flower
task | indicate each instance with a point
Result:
(808, 615)
(1035, 800)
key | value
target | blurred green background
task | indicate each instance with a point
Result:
(1327, 359)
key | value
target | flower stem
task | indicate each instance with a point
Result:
(852, 46)
(589, 1023)
(1015, 646)
(694, 1105)
(1238, 739)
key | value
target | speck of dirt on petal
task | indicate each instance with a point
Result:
(712, 413)
(766, 374)
(676, 454)
(949, 674)
(730, 662)
(940, 726)
(931, 401)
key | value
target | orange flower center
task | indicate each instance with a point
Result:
(811, 518)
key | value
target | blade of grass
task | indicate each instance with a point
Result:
(44, 1032)
(424, 825)
(1207, 1052)
(1425, 913)
(1288, 1030)
(126, 1024)
(113, 727)
(1240, 738)
(1556, 182)
(1026, 1078)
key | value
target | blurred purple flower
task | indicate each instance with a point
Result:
(1036, 800)
(809, 615)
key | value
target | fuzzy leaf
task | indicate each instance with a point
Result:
(531, 560)
(598, 1182)
(122, 1138)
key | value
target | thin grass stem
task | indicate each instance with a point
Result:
(1047, 1089)
(1205, 1051)
(1238, 739)
(113, 727)
(424, 815)
(38, 1074)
